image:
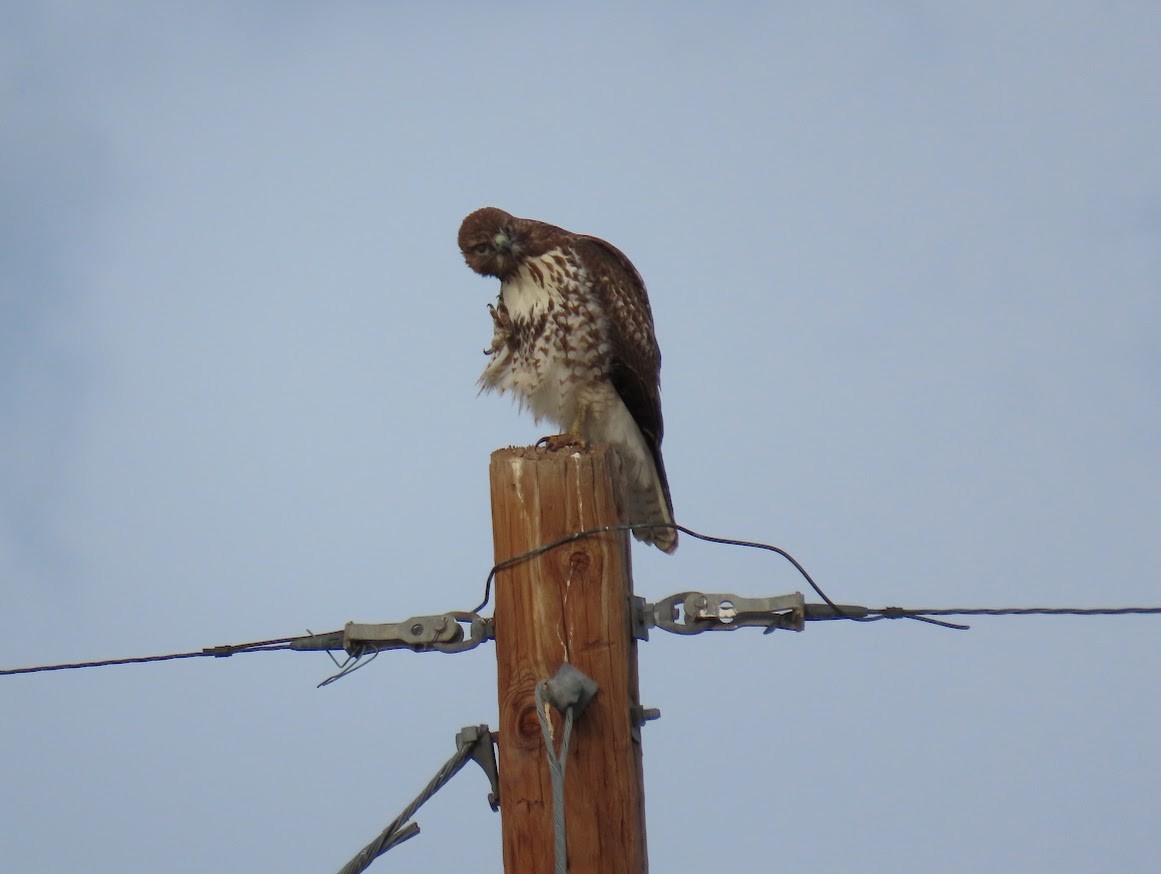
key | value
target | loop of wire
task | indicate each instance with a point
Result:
(556, 769)
(697, 535)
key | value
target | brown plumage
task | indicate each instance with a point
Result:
(573, 341)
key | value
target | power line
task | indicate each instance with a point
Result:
(436, 632)
(905, 613)
(223, 651)
(361, 641)
(866, 614)
(812, 612)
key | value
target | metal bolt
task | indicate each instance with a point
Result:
(641, 715)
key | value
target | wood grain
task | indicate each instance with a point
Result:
(571, 604)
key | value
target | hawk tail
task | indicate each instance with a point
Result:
(650, 505)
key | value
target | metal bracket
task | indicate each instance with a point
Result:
(418, 632)
(484, 754)
(695, 612)
(442, 633)
(642, 616)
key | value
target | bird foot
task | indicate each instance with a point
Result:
(556, 442)
(501, 327)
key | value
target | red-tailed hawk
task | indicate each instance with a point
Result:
(573, 341)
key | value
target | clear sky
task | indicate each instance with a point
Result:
(905, 264)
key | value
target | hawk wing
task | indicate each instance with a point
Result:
(636, 357)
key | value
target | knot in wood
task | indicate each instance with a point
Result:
(528, 727)
(579, 561)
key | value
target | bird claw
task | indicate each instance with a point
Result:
(556, 442)
(500, 317)
(502, 328)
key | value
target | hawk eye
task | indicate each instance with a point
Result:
(482, 248)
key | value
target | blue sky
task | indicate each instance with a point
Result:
(905, 265)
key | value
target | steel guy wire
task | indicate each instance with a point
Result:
(224, 651)
(911, 613)
(398, 830)
(556, 769)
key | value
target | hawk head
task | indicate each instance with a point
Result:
(491, 242)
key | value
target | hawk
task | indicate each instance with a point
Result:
(573, 342)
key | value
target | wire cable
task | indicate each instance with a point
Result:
(400, 829)
(866, 614)
(708, 538)
(556, 768)
(829, 610)
(351, 664)
(209, 652)
(906, 613)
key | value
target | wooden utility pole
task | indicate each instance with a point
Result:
(572, 604)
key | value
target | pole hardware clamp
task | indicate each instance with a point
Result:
(695, 612)
(443, 632)
(483, 753)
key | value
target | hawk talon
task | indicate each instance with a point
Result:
(502, 328)
(500, 317)
(556, 442)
